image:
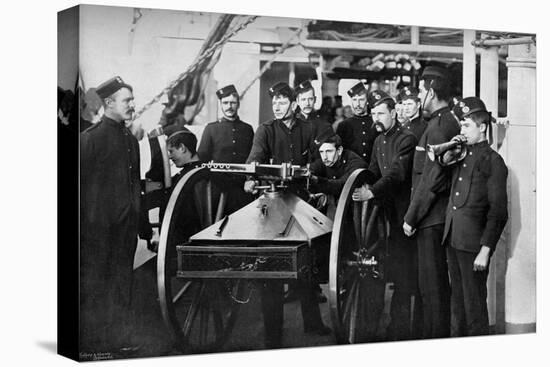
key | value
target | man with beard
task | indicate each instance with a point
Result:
(229, 139)
(389, 181)
(285, 139)
(110, 207)
(408, 97)
(357, 132)
(426, 213)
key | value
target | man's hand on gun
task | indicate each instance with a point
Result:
(250, 186)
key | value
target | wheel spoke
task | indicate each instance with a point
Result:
(221, 206)
(199, 204)
(364, 214)
(193, 311)
(357, 206)
(204, 319)
(208, 198)
(370, 226)
(181, 292)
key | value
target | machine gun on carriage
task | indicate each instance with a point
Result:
(210, 258)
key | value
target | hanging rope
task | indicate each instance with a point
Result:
(268, 64)
(209, 52)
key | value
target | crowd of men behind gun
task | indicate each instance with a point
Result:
(446, 214)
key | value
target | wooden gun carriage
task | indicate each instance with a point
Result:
(209, 254)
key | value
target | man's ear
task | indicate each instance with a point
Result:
(340, 150)
(393, 113)
(293, 106)
(483, 127)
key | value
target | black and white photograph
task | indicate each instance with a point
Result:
(255, 182)
(235, 179)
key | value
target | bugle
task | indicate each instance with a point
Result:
(439, 150)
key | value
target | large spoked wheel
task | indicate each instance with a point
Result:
(200, 313)
(356, 268)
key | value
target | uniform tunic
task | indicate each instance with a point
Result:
(275, 141)
(226, 141)
(320, 125)
(476, 216)
(110, 202)
(427, 213)
(427, 209)
(477, 210)
(358, 134)
(417, 126)
(390, 175)
(331, 180)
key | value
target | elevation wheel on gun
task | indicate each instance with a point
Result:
(358, 249)
(200, 313)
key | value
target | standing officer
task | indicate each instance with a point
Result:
(305, 97)
(358, 132)
(426, 212)
(475, 217)
(390, 177)
(229, 139)
(285, 139)
(110, 205)
(408, 97)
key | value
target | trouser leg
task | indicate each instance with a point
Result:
(474, 289)
(311, 314)
(272, 309)
(404, 279)
(433, 281)
(458, 313)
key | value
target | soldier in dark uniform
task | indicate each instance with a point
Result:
(305, 97)
(390, 180)
(426, 213)
(408, 97)
(110, 207)
(182, 150)
(229, 139)
(335, 167)
(285, 139)
(358, 132)
(475, 216)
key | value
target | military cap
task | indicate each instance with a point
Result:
(324, 136)
(226, 91)
(467, 106)
(435, 71)
(357, 89)
(378, 96)
(109, 87)
(303, 87)
(283, 89)
(407, 93)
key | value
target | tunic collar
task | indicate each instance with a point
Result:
(439, 112)
(394, 128)
(224, 119)
(112, 122)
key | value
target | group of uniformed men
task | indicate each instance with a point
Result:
(445, 220)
